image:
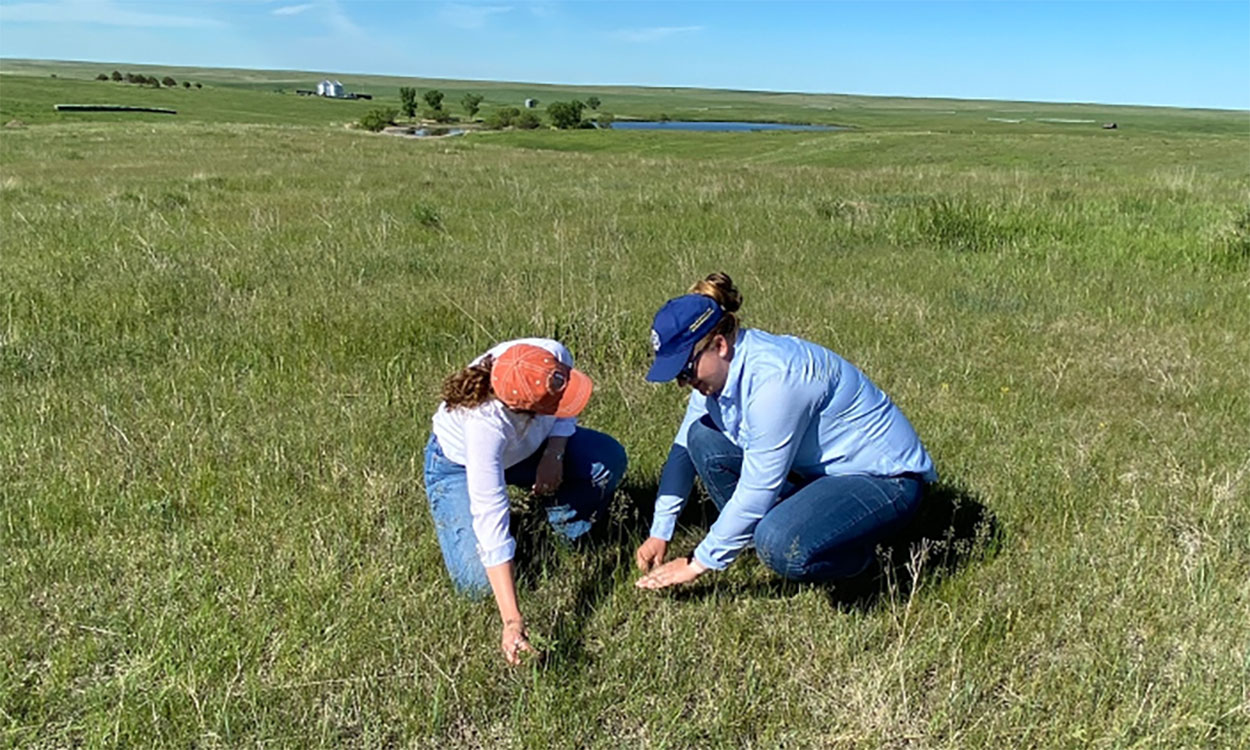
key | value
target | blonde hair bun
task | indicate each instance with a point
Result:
(721, 288)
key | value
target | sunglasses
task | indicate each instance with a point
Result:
(687, 372)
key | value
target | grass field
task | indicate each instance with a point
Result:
(222, 335)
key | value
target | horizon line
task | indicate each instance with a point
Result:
(631, 85)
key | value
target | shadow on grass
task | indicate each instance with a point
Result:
(951, 528)
(582, 575)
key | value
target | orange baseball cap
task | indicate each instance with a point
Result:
(529, 378)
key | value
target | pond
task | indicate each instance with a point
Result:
(423, 132)
(718, 127)
(427, 132)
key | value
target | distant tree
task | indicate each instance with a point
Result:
(502, 118)
(605, 120)
(102, 77)
(198, 86)
(471, 102)
(169, 81)
(408, 100)
(117, 76)
(378, 118)
(592, 102)
(132, 78)
(186, 84)
(434, 98)
(527, 121)
(154, 82)
(565, 115)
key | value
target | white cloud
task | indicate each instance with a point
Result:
(470, 16)
(654, 33)
(99, 12)
(292, 10)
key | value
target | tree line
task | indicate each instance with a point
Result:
(145, 80)
(562, 115)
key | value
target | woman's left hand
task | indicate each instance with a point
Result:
(672, 573)
(548, 474)
(516, 641)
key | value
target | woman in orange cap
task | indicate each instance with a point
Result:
(510, 418)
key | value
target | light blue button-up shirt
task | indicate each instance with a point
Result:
(790, 405)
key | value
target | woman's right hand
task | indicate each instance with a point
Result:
(651, 553)
(515, 640)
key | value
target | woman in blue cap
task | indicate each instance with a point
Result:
(801, 454)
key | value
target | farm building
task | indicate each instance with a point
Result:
(531, 103)
(330, 88)
(333, 90)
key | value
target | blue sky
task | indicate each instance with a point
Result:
(1188, 54)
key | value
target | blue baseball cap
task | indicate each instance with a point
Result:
(678, 326)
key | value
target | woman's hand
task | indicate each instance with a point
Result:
(651, 553)
(679, 571)
(515, 640)
(550, 469)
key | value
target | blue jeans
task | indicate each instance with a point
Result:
(594, 464)
(823, 528)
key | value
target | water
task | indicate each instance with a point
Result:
(425, 132)
(718, 127)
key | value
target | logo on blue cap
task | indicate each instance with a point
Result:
(678, 326)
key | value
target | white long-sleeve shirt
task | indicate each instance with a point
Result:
(488, 439)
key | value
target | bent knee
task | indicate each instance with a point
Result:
(783, 555)
(609, 467)
(472, 589)
(703, 439)
(616, 459)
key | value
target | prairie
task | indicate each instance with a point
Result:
(222, 336)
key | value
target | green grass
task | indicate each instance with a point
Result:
(221, 338)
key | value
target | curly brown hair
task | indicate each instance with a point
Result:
(470, 387)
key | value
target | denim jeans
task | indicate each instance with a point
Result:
(823, 528)
(594, 464)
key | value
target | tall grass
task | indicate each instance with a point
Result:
(219, 364)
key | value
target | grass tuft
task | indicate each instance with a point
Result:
(427, 217)
(1235, 242)
(965, 225)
